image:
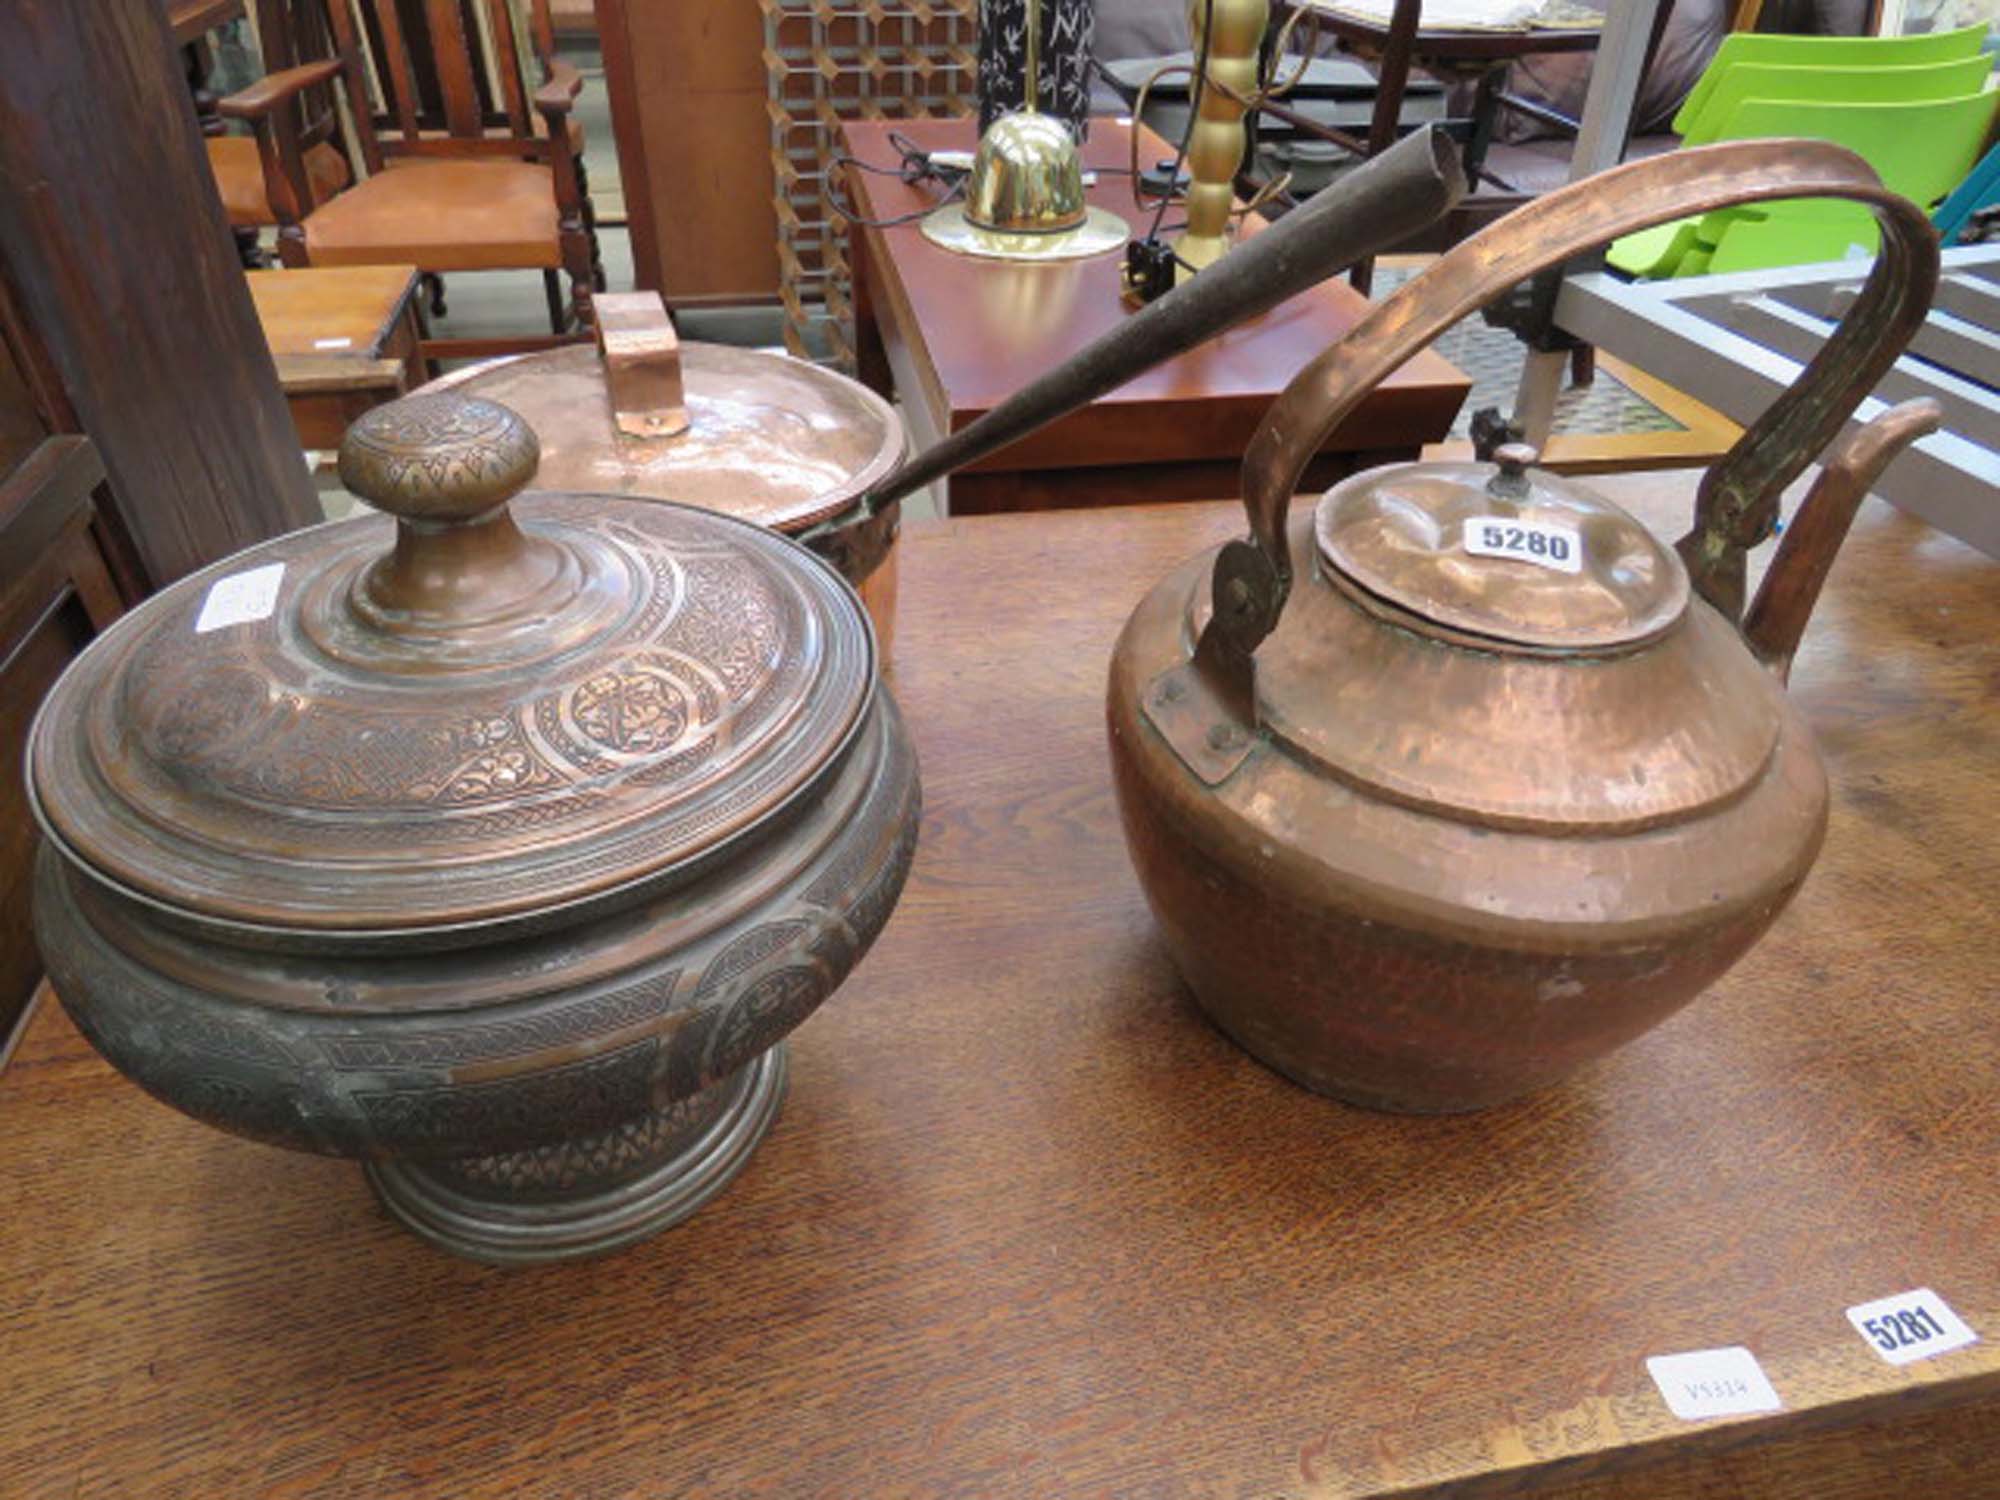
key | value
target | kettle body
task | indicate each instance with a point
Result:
(1450, 951)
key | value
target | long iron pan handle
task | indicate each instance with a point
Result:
(1386, 200)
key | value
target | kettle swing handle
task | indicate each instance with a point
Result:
(1737, 505)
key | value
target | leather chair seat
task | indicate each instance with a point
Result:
(239, 175)
(441, 215)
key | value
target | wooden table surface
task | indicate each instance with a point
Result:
(955, 335)
(335, 311)
(344, 339)
(1028, 1226)
(191, 20)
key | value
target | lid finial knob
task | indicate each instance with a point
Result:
(1514, 460)
(445, 466)
(439, 459)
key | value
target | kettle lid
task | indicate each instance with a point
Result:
(1509, 556)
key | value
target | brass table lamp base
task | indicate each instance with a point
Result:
(1100, 231)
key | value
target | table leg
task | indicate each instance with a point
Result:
(871, 359)
(1535, 398)
(1485, 114)
(1391, 80)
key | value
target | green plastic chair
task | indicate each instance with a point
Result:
(1736, 102)
(1825, 52)
(1922, 149)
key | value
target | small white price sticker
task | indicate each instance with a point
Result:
(1542, 543)
(1712, 1383)
(240, 598)
(1909, 1326)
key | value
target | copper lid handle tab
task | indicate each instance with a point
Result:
(1737, 507)
(445, 467)
(642, 364)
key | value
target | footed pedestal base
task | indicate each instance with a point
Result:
(595, 1194)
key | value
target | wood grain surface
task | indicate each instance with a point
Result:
(114, 241)
(301, 309)
(1028, 1226)
(963, 333)
(687, 90)
(190, 20)
(373, 308)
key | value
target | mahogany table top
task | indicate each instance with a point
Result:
(1028, 1226)
(978, 330)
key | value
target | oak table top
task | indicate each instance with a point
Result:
(955, 335)
(331, 312)
(343, 338)
(1028, 1226)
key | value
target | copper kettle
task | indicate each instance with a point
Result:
(1462, 779)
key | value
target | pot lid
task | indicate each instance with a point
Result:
(1507, 554)
(468, 714)
(762, 436)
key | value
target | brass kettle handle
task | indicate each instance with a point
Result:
(1738, 502)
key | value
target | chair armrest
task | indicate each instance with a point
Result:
(557, 95)
(274, 89)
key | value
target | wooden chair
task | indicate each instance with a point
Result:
(288, 32)
(532, 58)
(444, 190)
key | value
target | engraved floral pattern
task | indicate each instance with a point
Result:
(635, 712)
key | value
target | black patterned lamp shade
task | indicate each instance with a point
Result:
(1066, 27)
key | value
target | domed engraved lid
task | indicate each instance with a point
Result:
(476, 713)
(761, 436)
(1506, 555)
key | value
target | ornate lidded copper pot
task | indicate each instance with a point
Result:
(1461, 779)
(496, 845)
(759, 436)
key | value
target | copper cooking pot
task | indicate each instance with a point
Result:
(1461, 779)
(758, 436)
(496, 846)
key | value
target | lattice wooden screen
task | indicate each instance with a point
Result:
(834, 60)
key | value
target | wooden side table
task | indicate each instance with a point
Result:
(345, 339)
(953, 335)
(1029, 1226)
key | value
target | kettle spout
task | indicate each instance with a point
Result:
(1784, 603)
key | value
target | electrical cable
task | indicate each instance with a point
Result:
(917, 169)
